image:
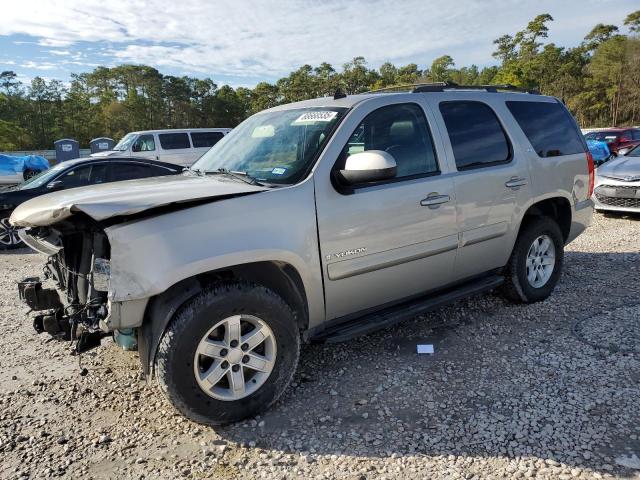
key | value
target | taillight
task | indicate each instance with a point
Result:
(592, 173)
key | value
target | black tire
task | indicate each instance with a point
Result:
(28, 173)
(517, 287)
(9, 239)
(174, 362)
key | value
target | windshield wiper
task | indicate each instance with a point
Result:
(243, 176)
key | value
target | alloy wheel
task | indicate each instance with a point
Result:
(8, 234)
(235, 357)
(541, 260)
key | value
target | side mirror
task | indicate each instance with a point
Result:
(54, 185)
(136, 147)
(369, 166)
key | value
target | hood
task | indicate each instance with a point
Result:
(108, 200)
(622, 168)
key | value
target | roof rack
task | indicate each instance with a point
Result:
(446, 86)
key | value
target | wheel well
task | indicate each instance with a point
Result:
(557, 208)
(280, 277)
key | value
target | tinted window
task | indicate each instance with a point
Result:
(205, 139)
(174, 141)
(635, 134)
(549, 128)
(144, 143)
(477, 138)
(400, 130)
(128, 171)
(76, 177)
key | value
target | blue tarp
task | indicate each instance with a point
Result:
(10, 165)
(599, 150)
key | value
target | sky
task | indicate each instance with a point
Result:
(241, 43)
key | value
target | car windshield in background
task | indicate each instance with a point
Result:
(273, 147)
(42, 178)
(602, 136)
(126, 142)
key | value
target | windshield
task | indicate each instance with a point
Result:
(42, 178)
(634, 153)
(126, 142)
(273, 147)
(608, 137)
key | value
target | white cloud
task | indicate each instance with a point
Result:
(270, 38)
(39, 66)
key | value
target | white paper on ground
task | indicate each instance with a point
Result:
(425, 349)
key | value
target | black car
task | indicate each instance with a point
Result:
(71, 174)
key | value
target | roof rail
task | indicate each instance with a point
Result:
(487, 88)
(446, 86)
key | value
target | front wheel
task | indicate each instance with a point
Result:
(9, 237)
(228, 354)
(536, 262)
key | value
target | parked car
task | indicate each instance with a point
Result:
(179, 146)
(72, 174)
(619, 140)
(316, 221)
(17, 169)
(617, 186)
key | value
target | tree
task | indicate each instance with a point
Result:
(441, 68)
(633, 21)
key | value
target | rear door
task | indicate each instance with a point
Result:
(491, 180)
(176, 148)
(385, 241)
(203, 141)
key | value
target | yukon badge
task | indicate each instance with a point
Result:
(347, 253)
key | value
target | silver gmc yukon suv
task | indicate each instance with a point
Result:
(315, 221)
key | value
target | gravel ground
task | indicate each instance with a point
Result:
(550, 390)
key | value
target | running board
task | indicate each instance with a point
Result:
(390, 316)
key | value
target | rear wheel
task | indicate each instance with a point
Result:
(228, 354)
(536, 262)
(9, 238)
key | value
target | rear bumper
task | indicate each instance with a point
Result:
(581, 219)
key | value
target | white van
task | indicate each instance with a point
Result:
(178, 146)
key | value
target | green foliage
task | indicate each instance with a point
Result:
(599, 81)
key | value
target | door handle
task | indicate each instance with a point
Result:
(516, 182)
(434, 200)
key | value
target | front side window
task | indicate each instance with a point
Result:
(144, 143)
(275, 147)
(400, 130)
(174, 141)
(205, 139)
(549, 128)
(477, 138)
(76, 177)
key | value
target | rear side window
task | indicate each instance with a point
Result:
(205, 139)
(129, 171)
(477, 138)
(174, 141)
(549, 128)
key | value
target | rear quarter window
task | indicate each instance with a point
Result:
(548, 126)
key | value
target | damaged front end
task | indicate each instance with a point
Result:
(78, 266)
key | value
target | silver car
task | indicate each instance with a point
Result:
(315, 221)
(617, 186)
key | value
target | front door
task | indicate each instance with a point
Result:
(384, 242)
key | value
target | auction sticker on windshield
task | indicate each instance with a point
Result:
(311, 117)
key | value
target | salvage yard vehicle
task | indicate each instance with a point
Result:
(617, 187)
(619, 140)
(72, 174)
(179, 146)
(315, 221)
